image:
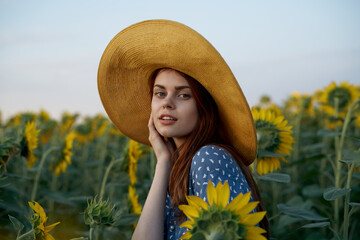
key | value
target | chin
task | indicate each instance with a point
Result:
(164, 134)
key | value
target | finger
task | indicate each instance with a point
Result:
(151, 121)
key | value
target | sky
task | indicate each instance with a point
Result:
(50, 50)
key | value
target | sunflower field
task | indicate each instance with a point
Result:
(80, 178)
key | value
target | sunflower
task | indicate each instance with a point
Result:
(220, 220)
(44, 116)
(134, 153)
(345, 92)
(66, 154)
(298, 102)
(47, 131)
(31, 138)
(274, 140)
(316, 97)
(103, 126)
(67, 121)
(101, 213)
(271, 107)
(39, 220)
(136, 206)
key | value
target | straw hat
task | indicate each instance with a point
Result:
(137, 51)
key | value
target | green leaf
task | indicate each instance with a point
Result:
(315, 146)
(275, 177)
(333, 193)
(347, 161)
(16, 223)
(354, 204)
(327, 133)
(316, 225)
(312, 191)
(300, 213)
(355, 138)
(80, 238)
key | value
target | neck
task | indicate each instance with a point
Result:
(179, 141)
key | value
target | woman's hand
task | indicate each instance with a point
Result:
(162, 149)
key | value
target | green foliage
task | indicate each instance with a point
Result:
(311, 197)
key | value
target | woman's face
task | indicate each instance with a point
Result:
(173, 106)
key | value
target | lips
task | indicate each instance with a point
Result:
(167, 119)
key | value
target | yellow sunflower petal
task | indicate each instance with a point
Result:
(38, 209)
(223, 194)
(253, 218)
(187, 224)
(211, 193)
(239, 201)
(255, 229)
(247, 208)
(189, 211)
(259, 167)
(41, 227)
(49, 237)
(50, 227)
(266, 167)
(197, 202)
(187, 235)
(254, 236)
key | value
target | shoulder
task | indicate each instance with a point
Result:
(212, 154)
(212, 158)
(215, 164)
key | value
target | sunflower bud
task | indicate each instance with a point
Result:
(99, 213)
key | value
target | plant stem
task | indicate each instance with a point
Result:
(101, 152)
(338, 167)
(53, 188)
(347, 121)
(38, 173)
(106, 175)
(347, 200)
(297, 138)
(350, 172)
(91, 233)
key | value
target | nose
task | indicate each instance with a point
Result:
(168, 103)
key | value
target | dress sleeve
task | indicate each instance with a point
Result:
(216, 164)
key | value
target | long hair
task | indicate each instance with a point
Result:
(206, 133)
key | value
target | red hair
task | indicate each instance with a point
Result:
(206, 133)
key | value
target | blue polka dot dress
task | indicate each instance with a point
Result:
(209, 163)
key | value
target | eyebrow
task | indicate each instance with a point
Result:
(176, 88)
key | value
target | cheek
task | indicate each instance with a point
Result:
(193, 112)
(154, 106)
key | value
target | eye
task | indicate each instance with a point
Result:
(159, 94)
(184, 96)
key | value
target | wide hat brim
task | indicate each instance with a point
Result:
(136, 52)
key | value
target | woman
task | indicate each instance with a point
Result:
(200, 129)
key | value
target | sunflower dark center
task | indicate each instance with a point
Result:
(268, 135)
(342, 94)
